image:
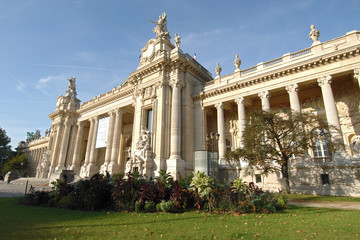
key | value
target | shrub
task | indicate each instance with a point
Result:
(203, 183)
(66, 202)
(167, 206)
(150, 207)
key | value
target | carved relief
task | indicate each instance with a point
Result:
(347, 105)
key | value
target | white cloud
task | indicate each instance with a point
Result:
(20, 87)
(43, 84)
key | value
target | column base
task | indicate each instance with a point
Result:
(111, 168)
(88, 171)
(74, 168)
(176, 166)
(104, 168)
(82, 173)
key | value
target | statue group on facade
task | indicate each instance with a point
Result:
(161, 27)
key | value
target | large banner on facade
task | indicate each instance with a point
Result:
(102, 133)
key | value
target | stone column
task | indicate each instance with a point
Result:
(265, 103)
(91, 168)
(56, 147)
(78, 141)
(242, 118)
(357, 75)
(329, 102)
(292, 90)
(175, 164)
(113, 166)
(64, 145)
(221, 130)
(88, 149)
(109, 141)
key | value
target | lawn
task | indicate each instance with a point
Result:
(304, 197)
(21, 222)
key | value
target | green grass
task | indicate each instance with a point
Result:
(303, 197)
(21, 222)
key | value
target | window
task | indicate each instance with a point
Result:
(257, 178)
(149, 117)
(325, 179)
(321, 146)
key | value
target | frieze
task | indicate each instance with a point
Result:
(273, 76)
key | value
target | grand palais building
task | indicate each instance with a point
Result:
(160, 116)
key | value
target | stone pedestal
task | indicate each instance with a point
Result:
(176, 166)
(142, 160)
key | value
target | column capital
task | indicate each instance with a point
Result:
(81, 124)
(176, 83)
(324, 80)
(67, 122)
(264, 94)
(219, 105)
(357, 73)
(292, 88)
(240, 100)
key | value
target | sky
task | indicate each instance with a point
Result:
(45, 42)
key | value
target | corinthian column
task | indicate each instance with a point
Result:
(292, 90)
(242, 118)
(56, 147)
(265, 103)
(64, 145)
(221, 130)
(329, 102)
(91, 167)
(113, 166)
(76, 156)
(175, 164)
(103, 168)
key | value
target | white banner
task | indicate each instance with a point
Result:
(102, 133)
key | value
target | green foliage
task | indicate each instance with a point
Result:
(203, 183)
(150, 207)
(239, 186)
(282, 200)
(167, 206)
(18, 163)
(165, 178)
(5, 148)
(30, 136)
(134, 193)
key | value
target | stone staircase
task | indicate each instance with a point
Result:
(31, 181)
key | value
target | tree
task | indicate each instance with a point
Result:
(17, 163)
(30, 136)
(5, 148)
(272, 139)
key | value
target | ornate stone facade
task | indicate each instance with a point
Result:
(160, 116)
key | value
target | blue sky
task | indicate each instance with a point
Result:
(45, 42)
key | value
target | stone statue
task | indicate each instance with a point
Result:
(177, 40)
(314, 35)
(161, 27)
(218, 70)
(144, 139)
(71, 91)
(237, 63)
(43, 168)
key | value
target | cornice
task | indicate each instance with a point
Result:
(105, 99)
(278, 73)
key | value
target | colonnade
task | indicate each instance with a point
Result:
(112, 146)
(292, 89)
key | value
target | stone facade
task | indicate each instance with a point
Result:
(160, 116)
